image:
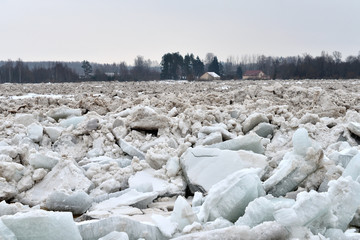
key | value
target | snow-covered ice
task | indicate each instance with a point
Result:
(180, 159)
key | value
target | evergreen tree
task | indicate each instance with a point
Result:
(214, 66)
(239, 72)
(87, 68)
(199, 67)
(172, 66)
(177, 66)
(166, 65)
(188, 67)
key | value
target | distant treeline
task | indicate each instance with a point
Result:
(19, 72)
(37, 72)
(175, 66)
(324, 66)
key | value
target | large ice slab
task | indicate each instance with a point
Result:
(321, 211)
(210, 139)
(265, 231)
(89, 162)
(225, 233)
(354, 127)
(63, 112)
(53, 132)
(344, 156)
(5, 232)
(11, 171)
(147, 119)
(7, 190)
(149, 180)
(229, 197)
(301, 141)
(41, 160)
(251, 142)
(115, 236)
(42, 225)
(201, 165)
(353, 168)
(167, 227)
(72, 121)
(128, 198)
(95, 229)
(131, 150)
(25, 119)
(310, 208)
(71, 146)
(66, 175)
(262, 209)
(35, 132)
(253, 120)
(220, 128)
(75, 202)
(345, 200)
(11, 151)
(265, 130)
(295, 166)
(183, 214)
(12, 208)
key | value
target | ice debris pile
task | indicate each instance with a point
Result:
(184, 160)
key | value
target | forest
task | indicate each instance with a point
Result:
(174, 66)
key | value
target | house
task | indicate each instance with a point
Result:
(208, 76)
(110, 74)
(255, 74)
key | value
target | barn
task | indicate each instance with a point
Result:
(255, 74)
(208, 76)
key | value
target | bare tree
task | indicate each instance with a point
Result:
(19, 67)
(124, 72)
(9, 67)
(209, 58)
(337, 55)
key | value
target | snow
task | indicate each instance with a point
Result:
(213, 74)
(34, 95)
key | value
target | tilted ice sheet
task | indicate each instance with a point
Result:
(42, 225)
(229, 197)
(295, 166)
(201, 165)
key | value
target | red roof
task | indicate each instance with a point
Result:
(252, 73)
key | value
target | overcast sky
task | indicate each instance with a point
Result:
(109, 31)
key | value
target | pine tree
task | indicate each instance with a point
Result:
(87, 68)
(188, 67)
(166, 64)
(199, 67)
(214, 66)
(239, 72)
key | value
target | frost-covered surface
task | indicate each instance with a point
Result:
(186, 160)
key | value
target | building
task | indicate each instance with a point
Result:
(255, 74)
(208, 76)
